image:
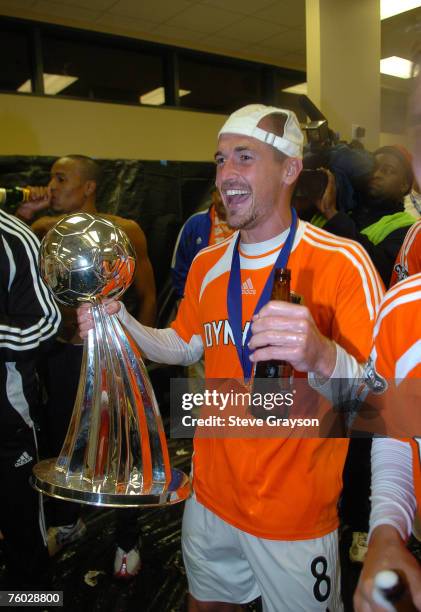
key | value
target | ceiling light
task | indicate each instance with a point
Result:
(25, 87)
(300, 88)
(388, 8)
(396, 66)
(157, 96)
(53, 83)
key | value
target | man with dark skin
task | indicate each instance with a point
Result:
(380, 223)
(71, 189)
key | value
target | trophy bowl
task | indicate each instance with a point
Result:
(115, 452)
(84, 258)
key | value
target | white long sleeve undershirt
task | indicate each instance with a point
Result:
(393, 497)
(162, 345)
(342, 383)
(392, 488)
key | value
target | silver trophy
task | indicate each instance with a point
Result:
(115, 452)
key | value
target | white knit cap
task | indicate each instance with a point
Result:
(245, 121)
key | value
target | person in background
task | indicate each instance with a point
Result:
(380, 223)
(72, 188)
(29, 320)
(396, 466)
(202, 229)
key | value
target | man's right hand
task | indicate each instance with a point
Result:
(386, 551)
(85, 319)
(39, 199)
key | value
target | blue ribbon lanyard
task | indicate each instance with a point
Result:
(234, 296)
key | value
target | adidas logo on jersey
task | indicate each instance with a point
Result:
(23, 459)
(248, 288)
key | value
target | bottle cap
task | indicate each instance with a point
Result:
(387, 579)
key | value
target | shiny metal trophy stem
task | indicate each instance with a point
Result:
(115, 452)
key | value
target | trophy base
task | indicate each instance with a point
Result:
(46, 479)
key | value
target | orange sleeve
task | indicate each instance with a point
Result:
(408, 261)
(414, 255)
(385, 351)
(358, 298)
(187, 321)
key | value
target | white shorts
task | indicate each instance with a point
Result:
(225, 564)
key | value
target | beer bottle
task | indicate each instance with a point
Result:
(391, 592)
(12, 197)
(281, 290)
(280, 372)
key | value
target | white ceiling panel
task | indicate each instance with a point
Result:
(204, 19)
(251, 30)
(178, 35)
(222, 44)
(293, 60)
(401, 34)
(16, 4)
(287, 41)
(152, 10)
(56, 9)
(264, 30)
(284, 12)
(93, 5)
(128, 23)
(244, 7)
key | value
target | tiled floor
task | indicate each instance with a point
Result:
(83, 571)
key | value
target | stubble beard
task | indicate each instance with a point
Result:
(248, 222)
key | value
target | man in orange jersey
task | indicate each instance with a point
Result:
(263, 520)
(408, 261)
(396, 464)
(396, 471)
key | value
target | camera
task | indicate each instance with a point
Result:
(318, 133)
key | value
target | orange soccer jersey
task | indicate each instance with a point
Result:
(408, 261)
(396, 350)
(277, 488)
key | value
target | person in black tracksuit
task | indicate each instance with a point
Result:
(29, 320)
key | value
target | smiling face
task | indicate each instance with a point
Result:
(251, 177)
